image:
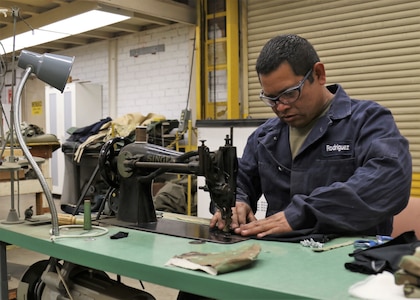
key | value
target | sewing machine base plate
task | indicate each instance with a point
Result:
(180, 229)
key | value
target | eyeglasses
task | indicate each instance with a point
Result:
(288, 96)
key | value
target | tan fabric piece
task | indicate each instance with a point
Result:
(124, 125)
(219, 262)
(119, 127)
(409, 274)
(402, 277)
(410, 264)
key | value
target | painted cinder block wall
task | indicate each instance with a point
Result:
(148, 83)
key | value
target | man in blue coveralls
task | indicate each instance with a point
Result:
(327, 163)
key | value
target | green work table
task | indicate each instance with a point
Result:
(282, 270)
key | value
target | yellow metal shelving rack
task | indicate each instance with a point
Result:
(218, 69)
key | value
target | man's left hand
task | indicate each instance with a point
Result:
(274, 224)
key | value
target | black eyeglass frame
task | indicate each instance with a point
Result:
(272, 101)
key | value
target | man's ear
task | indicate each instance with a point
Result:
(319, 73)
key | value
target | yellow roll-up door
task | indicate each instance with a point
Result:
(372, 48)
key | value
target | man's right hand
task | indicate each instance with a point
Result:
(241, 214)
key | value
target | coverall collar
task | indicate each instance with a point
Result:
(340, 108)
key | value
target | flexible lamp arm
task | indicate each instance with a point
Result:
(53, 70)
(31, 160)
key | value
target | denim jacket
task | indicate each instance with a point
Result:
(351, 175)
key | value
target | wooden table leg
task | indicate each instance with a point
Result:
(39, 209)
(4, 290)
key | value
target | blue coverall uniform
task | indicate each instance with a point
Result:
(351, 175)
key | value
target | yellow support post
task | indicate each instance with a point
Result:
(232, 41)
(217, 60)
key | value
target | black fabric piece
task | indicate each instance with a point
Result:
(297, 236)
(83, 133)
(70, 209)
(119, 235)
(384, 257)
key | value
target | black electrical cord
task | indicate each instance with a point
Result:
(191, 70)
(3, 71)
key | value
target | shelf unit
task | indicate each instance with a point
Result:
(79, 105)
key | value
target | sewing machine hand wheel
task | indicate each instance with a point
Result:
(107, 162)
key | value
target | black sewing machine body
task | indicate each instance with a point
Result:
(138, 164)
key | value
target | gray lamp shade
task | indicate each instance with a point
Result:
(52, 69)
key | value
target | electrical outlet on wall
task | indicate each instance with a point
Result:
(183, 120)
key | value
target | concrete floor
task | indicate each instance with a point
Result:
(19, 259)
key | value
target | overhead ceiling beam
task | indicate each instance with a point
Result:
(124, 27)
(48, 17)
(74, 39)
(29, 9)
(48, 48)
(97, 34)
(151, 19)
(168, 10)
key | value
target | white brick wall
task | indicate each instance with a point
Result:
(147, 83)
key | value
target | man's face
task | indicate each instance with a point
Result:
(309, 104)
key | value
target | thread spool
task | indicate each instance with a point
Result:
(141, 134)
(87, 222)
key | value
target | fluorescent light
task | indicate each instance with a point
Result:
(64, 28)
(84, 22)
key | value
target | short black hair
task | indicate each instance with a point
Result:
(297, 51)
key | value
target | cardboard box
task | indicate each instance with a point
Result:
(16, 152)
(5, 176)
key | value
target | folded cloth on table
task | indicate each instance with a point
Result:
(217, 263)
(377, 287)
(33, 135)
(120, 127)
(82, 134)
(384, 257)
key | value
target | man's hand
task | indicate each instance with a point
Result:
(245, 223)
(276, 223)
(241, 214)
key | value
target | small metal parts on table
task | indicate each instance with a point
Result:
(311, 243)
(333, 246)
(319, 247)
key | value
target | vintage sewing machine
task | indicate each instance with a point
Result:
(133, 167)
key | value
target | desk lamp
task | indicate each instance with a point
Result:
(54, 70)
